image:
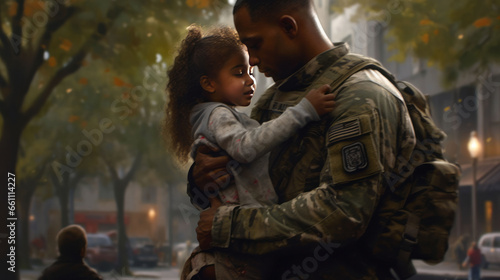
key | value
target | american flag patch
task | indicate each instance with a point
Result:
(343, 131)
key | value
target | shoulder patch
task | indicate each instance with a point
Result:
(344, 130)
(354, 157)
(352, 152)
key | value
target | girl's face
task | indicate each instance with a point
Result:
(235, 83)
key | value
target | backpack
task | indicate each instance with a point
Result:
(412, 221)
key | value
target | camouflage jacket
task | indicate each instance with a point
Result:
(329, 177)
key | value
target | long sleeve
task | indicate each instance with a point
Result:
(246, 144)
(361, 142)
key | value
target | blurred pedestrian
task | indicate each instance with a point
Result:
(473, 261)
(72, 245)
(460, 249)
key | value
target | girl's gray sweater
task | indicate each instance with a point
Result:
(248, 143)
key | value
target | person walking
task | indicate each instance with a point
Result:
(473, 261)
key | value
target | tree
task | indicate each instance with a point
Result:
(31, 171)
(43, 43)
(456, 35)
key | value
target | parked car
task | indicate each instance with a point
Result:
(181, 251)
(101, 254)
(489, 244)
(142, 251)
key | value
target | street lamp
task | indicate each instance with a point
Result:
(474, 150)
(151, 214)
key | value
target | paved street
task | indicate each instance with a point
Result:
(140, 273)
(450, 271)
(442, 271)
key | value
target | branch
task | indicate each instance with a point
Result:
(52, 26)
(111, 168)
(74, 64)
(70, 68)
(55, 180)
(5, 45)
(17, 29)
(133, 168)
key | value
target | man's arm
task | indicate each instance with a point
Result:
(340, 209)
(207, 174)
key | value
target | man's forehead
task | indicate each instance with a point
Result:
(248, 30)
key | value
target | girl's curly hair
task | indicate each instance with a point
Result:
(198, 55)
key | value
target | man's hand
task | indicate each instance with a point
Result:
(210, 170)
(204, 229)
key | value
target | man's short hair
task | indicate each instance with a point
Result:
(71, 240)
(259, 9)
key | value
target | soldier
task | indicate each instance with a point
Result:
(331, 176)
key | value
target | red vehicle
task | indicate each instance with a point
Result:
(101, 254)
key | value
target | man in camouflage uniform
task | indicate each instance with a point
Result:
(331, 176)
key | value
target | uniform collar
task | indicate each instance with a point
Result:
(315, 67)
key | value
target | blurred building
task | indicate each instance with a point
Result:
(147, 212)
(472, 104)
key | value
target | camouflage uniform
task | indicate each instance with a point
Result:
(329, 177)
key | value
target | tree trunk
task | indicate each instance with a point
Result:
(63, 202)
(123, 265)
(24, 200)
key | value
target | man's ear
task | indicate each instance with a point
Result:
(289, 26)
(207, 84)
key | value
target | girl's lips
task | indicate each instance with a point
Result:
(250, 92)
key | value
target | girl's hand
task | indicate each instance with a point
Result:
(321, 99)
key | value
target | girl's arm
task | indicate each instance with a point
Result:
(244, 145)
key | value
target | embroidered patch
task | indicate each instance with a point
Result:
(278, 106)
(354, 157)
(344, 130)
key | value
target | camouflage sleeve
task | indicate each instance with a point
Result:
(339, 210)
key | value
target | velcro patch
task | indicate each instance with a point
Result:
(354, 157)
(278, 106)
(343, 131)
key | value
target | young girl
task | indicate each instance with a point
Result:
(210, 76)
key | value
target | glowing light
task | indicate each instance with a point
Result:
(151, 213)
(474, 145)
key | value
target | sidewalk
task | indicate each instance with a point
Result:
(140, 273)
(450, 270)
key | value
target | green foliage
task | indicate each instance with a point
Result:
(456, 35)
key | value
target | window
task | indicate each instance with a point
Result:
(487, 242)
(488, 213)
(496, 242)
(105, 190)
(149, 194)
